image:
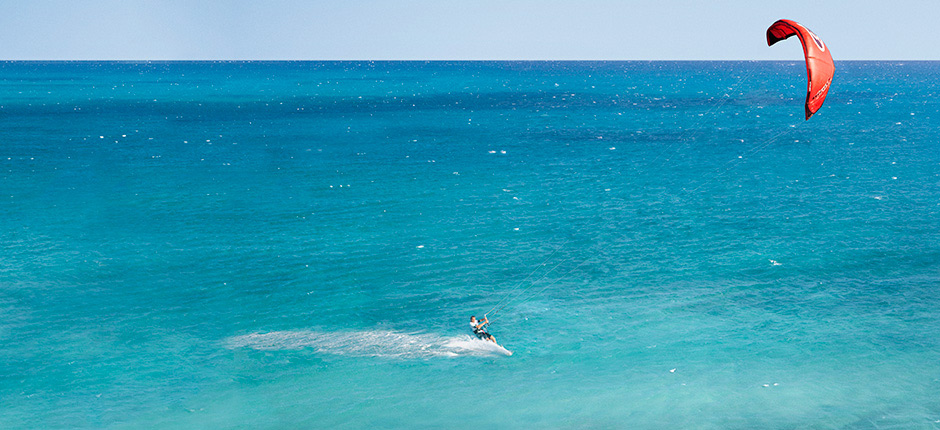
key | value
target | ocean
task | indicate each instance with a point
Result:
(273, 245)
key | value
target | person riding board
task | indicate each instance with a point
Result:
(479, 328)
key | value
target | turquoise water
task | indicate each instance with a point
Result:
(300, 245)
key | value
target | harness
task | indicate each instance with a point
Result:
(480, 331)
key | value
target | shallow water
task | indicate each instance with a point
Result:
(283, 245)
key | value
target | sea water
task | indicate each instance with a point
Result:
(300, 245)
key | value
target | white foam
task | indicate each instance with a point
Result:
(371, 343)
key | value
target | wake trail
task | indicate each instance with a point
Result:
(369, 343)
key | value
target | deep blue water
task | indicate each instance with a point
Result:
(299, 245)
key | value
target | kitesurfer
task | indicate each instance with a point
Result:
(479, 328)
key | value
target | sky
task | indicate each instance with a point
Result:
(459, 30)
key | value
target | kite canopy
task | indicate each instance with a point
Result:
(819, 64)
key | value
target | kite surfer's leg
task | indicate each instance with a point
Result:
(482, 335)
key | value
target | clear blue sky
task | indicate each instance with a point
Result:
(471, 29)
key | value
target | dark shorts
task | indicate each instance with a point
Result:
(482, 334)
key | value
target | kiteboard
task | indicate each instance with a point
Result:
(491, 347)
(502, 350)
(494, 347)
